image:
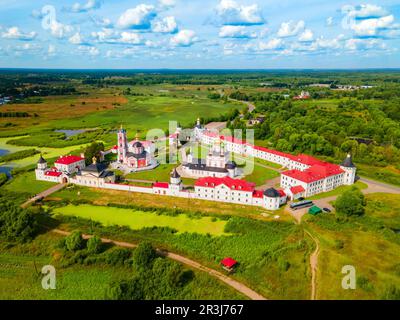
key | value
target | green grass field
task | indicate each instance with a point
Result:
(136, 220)
(26, 183)
(338, 191)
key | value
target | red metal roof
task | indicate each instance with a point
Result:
(164, 185)
(297, 189)
(69, 160)
(53, 173)
(234, 184)
(228, 262)
(258, 194)
(232, 140)
(281, 193)
(315, 172)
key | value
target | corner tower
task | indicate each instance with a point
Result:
(349, 170)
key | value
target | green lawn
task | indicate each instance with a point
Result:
(338, 191)
(26, 183)
(137, 220)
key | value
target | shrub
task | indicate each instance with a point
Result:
(118, 256)
(351, 203)
(144, 256)
(74, 241)
(94, 245)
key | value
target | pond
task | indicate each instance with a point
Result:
(7, 170)
(3, 152)
(70, 133)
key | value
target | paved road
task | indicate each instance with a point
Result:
(376, 186)
(45, 193)
(229, 281)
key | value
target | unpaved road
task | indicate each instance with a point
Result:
(45, 193)
(216, 274)
(314, 266)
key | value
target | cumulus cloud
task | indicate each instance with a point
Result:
(76, 39)
(139, 17)
(84, 7)
(15, 33)
(90, 50)
(130, 38)
(371, 27)
(165, 25)
(51, 50)
(167, 3)
(235, 32)
(364, 11)
(102, 22)
(364, 44)
(184, 38)
(232, 13)
(272, 44)
(60, 30)
(290, 28)
(306, 35)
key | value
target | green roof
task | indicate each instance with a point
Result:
(314, 210)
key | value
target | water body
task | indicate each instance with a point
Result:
(3, 152)
(71, 133)
(7, 170)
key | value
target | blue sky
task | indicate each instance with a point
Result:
(199, 34)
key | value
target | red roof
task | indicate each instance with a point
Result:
(115, 147)
(164, 185)
(315, 172)
(69, 160)
(258, 194)
(281, 193)
(53, 173)
(228, 262)
(234, 184)
(232, 140)
(297, 189)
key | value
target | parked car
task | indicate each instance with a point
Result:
(327, 210)
(301, 199)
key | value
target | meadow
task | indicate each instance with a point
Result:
(135, 220)
(20, 276)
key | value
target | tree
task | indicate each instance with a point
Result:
(94, 245)
(93, 150)
(74, 241)
(144, 256)
(16, 224)
(351, 203)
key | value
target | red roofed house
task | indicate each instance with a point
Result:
(43, 173)
(228, 264)
(70, 164)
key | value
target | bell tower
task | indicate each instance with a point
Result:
(122, 145)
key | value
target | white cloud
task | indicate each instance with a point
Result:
(106, 35)
(130, 38)
(231, 13)
(91, 51)
(290, 28)
(307, 35)
(167, 3)
(272, 44)
(76, 39)
(364, 11)
(371, 27)
(364, 44)
(102, 22)
(322, 43)
(51, 50)
(15, 33)
(139, 17)
(184, 38)
(166, 25)
(89, 5)
(235, 32)
(59, 30)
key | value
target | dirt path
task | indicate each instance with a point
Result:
(216, 274)
(45, 193)
(314, 266)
